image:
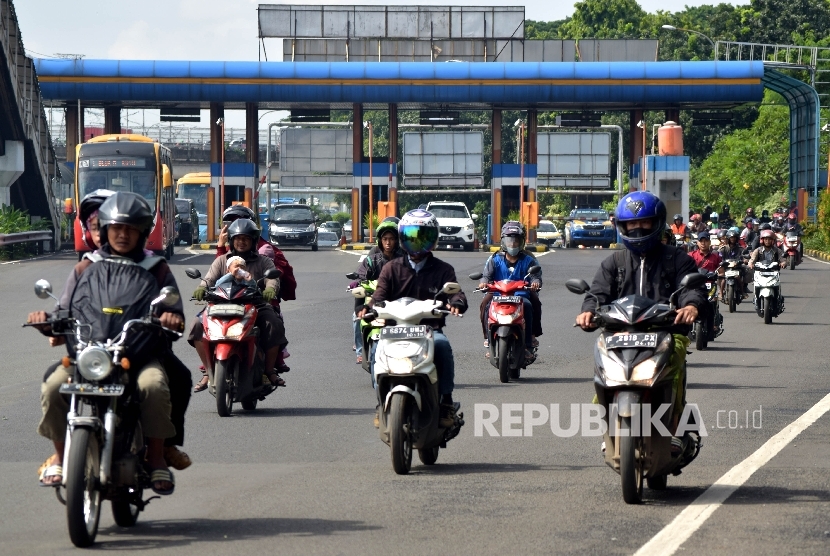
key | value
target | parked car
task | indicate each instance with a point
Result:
(347, 228)
(589, 226)
(548, 233)
(293, 225)
(331, 226)
(188, 231)
(455, 225)
(327, 239)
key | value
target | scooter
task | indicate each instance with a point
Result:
(632, 377)
(506, 325)
(769, 302)
(407, 380)
(700, 332)
(733, 289)
(792, 245)
(236, 362)
(369, 330)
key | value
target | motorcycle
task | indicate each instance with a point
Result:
(769, 302)
(506, 325)
(407, 380)
(369, 330)
(632, 356)
(236, 368)
(700, 332)
(104, 446)
(792, 245)
(733, 288)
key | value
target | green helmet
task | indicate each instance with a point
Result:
(389, 224)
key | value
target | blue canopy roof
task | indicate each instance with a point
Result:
(526, 84)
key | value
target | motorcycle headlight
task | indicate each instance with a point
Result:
(505, 319)
(94, 363)
(402, 357)
(235, 330)
(400, 365)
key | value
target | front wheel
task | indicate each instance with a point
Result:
(631, 468)
(428, 456)
(314, 246)
(222, 379)
(730, 297)
(124, 512)
(504, 360)
(399, 434)
(83, 499)
(767, 310)
(700, 336)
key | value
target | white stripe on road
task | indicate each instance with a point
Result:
(673, 535)
(194, 256)
(817, 260)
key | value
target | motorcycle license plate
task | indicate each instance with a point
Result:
(708, 286)
(507, 299)
(226, 310)
(631, 340)
(403, 332)
(92, 390)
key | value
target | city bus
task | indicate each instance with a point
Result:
(126, 162)
(195, 187)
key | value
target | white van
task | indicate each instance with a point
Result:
(455, 225)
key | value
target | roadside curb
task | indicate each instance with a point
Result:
(817, 254)
(203, 246)
(356, 246)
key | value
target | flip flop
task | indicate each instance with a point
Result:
(276, 382)
(176, 459)
(359, 359)
(201, 385)
(51, 471)
(159, 475)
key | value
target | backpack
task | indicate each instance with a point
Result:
(288, 284)
(111, 291)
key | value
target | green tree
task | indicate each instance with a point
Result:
(605, 19)
(777, 21)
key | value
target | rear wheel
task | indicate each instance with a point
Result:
(700, 336)
(631, 467)
(767, 310)
(504, 360)
(730, 297)
(224, 393)
(83, 499)
(124, 512)
(400, 442)
(428, 456)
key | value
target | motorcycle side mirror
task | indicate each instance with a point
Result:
(43, 289)
(535, 269)
(692, 281)
(352, 276)
(476, 276)
(577, 286)
(192, 273)
(451, 288)
(168, 296)
(273, 274)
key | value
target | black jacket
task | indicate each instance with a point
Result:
(654, 280)
(398, 279)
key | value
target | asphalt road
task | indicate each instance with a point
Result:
(306, 472)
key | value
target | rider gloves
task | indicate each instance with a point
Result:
(268, 294)
(199, 294)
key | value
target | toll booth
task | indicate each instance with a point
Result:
(668, 178)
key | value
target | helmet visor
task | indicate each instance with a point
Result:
(511, 242)
(416, 239)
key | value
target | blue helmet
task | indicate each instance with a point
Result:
(638, 206)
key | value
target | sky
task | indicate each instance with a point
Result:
(204, 29)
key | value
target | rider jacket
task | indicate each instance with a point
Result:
(398, 279)
(710, 262)
(374, 262)
(731, 251)
(656, 276)
(773, 254)
(498, 267)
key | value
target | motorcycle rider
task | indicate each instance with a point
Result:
(698, 225)
(764, 217)
(731, 249)
(242, 234)
(749, 233)
(768, 252)
(726, 220)
(708, 260)
(263, 247)
(791, 226)
(668, 237)
(125, 221)
(678, 227)
(420, 275)
(650, 269)
(387, 248)
(513, 263)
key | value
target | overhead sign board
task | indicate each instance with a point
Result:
(443, 153)
(312, 151)
(581, 157)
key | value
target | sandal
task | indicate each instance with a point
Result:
(535, 342)
(176, 459)
(201, 385)
(275, 379)
(49, 469)
(162, 475)
(359, 359)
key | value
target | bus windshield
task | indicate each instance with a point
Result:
(197, 192)
(136, 174)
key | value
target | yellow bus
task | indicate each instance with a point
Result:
(195, 187)
(126, 162)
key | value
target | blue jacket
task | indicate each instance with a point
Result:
(498, 267)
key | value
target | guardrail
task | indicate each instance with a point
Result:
(40, 238)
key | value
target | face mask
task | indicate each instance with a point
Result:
(513, 251)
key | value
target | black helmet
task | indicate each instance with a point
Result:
(238, 211)
(731, 233)
(126, 208)
(677, 217)
(91, 203)
(243, 227)
(668, 235)
(765, 226)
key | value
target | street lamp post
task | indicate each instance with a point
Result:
(643, 165)
(673, 28)
(221, 122)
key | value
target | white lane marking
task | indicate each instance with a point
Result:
(817, 260)
(673, 535)
(193, 256)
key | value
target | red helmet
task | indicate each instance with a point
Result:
(695, 218)
(767, 233)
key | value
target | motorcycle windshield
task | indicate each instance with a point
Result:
(634, 309)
